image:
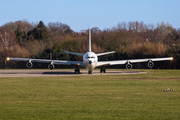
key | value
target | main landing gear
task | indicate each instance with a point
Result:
(77, 70)
(102, 70)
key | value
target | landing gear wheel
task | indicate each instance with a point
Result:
(77, 71)
(90, 72)
(102, 70)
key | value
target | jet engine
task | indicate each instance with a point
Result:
(51, 66)
(29, 64)
(128, 66)
(150, 64)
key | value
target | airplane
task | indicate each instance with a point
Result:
(90, 60)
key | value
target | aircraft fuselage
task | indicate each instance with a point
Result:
(90, 60)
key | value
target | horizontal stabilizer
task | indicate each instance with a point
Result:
(105, 53)
(74, 53)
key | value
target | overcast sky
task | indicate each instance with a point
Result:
(79, 14)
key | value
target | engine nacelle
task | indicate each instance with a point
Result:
(51, 66)
(150, 64)
(29, 64)
(128, 66)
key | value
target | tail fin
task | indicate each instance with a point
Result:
(89, 38)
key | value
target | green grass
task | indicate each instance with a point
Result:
(124, 97)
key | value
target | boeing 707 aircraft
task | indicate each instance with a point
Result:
(90, 60)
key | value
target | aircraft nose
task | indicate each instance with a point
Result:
(90, 62)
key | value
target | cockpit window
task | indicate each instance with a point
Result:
(91, 57)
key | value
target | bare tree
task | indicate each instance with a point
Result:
(7, 38)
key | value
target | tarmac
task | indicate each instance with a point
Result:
(48, 73)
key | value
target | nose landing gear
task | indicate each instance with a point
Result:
(90, 72)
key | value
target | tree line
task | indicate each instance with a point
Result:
(130, 40)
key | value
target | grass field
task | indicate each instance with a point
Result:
(124, 97)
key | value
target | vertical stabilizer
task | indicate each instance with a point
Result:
(89, 38)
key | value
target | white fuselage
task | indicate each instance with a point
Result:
(90, 60)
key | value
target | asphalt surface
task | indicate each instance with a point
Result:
(47, 73)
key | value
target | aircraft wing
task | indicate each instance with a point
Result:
(60, 62)
(104, 63)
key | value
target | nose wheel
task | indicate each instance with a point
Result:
(90, 72)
